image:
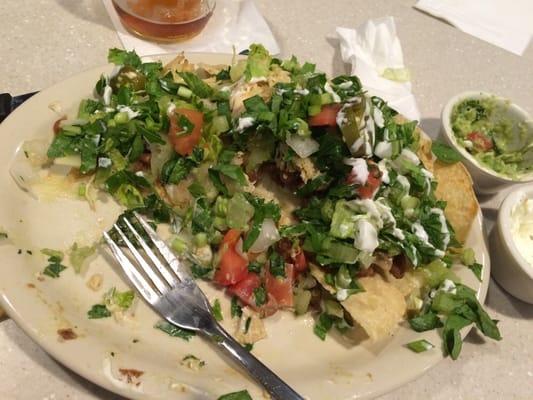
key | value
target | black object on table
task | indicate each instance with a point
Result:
(8, 103)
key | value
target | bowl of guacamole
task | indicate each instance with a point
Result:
(494, 136)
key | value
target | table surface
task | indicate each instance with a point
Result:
(46, 41)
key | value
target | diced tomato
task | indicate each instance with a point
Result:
(373, 181)
(232, 267)
(231, 237)
(244, 289)
(184, 143)
(326, 117)
(481, 141)
(300, 263)
(281, 288)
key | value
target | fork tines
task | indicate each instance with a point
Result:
(158, 270)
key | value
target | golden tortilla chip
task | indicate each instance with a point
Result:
(424, 151)
(250, 328)
(378, 310)
(454, 185)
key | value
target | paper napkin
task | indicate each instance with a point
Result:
(375, 53)
(234, 23)
(504, 23)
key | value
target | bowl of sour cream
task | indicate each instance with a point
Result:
(511, 243)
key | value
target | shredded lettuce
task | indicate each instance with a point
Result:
(258, 63)
(79, 254)
(115, 300)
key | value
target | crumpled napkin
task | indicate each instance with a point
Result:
(375, 53)
(504, 23)
(233, 23)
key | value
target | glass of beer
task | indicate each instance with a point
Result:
(165, 20)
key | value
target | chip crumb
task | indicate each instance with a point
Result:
(30, 285)
(370, 376)
(131, 375)
(67, 334)
(178, 387)
(95, 282)
(192, 362)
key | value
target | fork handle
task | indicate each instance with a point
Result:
(273, 384)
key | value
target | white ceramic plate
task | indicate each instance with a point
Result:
(318, 370)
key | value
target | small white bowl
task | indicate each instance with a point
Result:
(509, 267)
(486, 180)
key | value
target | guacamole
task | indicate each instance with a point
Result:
(486, 130)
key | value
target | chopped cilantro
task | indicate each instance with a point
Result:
(277, 265)
(242, 395)
(323, 326)
(260, 296)
(247, 325)
(249, 346)
(255, 267)
(236, 309)
(54, 267)
(174, 331)
(477, 269)
(445, 153)
(217, 311)
(98, 311)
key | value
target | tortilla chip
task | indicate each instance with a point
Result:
(454, 185)
(378, 310)
(250, 328)
(424, 151)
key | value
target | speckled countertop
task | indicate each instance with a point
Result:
(45, 41)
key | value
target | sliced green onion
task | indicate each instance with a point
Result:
(468, 257)
(200, 239)
(343, 278)
(409, 202)
(301, 302)
(179, 245)
(326, 98)
(220, 124)
(184, 92)
(419, 346)
(121, 117)
(72, 129)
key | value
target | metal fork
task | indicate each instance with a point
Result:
(172, 293)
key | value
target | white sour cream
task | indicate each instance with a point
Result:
(382, 165)
(245, 123)
(359, 170)
(378, 118)
(408, 155)
(329, 89)
(107, 95)
(366, 238)
(522, 228)
(131, 114)
(303, 92)
(383, 150)
(258, 79)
